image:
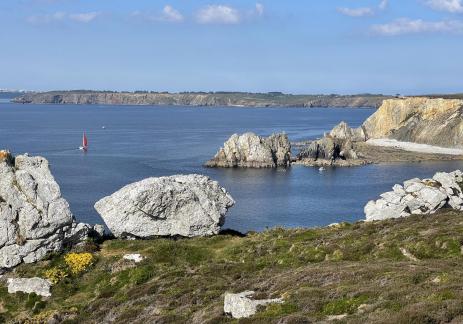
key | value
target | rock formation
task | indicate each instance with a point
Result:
(180, 205)
(252, 151)
(38, 286)
(34, 218)
(420, 120)
(242, 306)
(419, 197)
(335, 148)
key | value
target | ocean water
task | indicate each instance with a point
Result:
(145, 141)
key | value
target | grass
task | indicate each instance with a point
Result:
(355, 270)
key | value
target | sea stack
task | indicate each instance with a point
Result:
(252, 151)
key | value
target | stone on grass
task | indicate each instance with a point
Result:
(242, 306)
(38, 286)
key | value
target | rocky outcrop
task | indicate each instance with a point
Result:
(436, 122)
(335, 148)
(242, 306)
(38, 286)
(34, 218)
(200, 99)
(419, 197)
(180, 205)
(252, 151)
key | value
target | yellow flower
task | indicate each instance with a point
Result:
(78, 262)
(55, 275)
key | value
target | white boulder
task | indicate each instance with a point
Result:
(183, 205)
(38, 286)
(242, 306)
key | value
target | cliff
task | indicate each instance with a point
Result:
(420, 120)
(201, 99)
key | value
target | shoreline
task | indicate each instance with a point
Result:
(414, 147)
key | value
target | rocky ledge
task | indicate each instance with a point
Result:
(180, 205)
(252, 151)
(419, 197)
(34, 218)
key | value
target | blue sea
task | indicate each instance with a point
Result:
(130, 143)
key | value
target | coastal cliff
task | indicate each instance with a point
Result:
(430, 128)
(272, 99)
(419, 120)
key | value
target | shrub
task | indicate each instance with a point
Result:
(55, 274)
(78, 262)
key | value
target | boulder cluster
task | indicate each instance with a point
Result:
(34, 218)
(180, 205)
(417, 197)
(251, 151)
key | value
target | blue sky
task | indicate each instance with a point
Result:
(304, 46)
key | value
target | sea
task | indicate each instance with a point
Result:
(130, 143)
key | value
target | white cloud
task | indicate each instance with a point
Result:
(84, 17)
(364, 11)
(62, 16)
(453, 6)
(356, 12)
(409, 26)
(259, 9)
(45, 19)
(171, 14)
(383, 4)
(218, 14)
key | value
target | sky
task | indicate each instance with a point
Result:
(293, 46)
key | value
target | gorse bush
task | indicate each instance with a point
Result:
(78, 262)
(55, 274)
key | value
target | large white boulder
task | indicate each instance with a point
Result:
(33, 216)
(183, 205)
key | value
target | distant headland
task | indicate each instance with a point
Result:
(232, 99)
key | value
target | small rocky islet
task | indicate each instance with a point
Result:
(413, 231)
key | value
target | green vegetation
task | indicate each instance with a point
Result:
(356, 270)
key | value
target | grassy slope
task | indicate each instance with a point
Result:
(355, 269)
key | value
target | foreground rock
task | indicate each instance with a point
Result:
(241, 306)
(38, 286)
(184, 205)
(34, 218)
(252, 151)
(335, 148)
(419, 197)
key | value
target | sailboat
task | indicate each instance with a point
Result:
(84, 146)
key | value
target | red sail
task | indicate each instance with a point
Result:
(84, 141)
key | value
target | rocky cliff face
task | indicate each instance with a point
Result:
(181, 205)
(252, 151)
(421, 120)
(201, 99)
(34, 218)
